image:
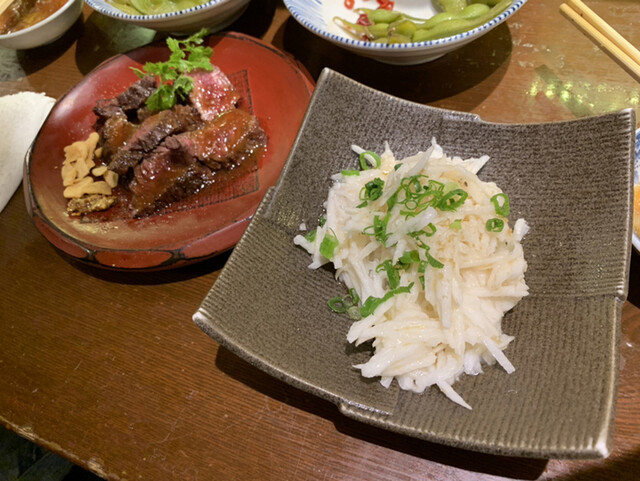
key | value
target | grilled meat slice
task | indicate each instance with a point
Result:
(222, 143)
(128, 104)
(151, 133)
(212, 93)
(164, 177)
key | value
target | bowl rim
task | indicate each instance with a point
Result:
(98, 5)
(352, 43)
(44, 21)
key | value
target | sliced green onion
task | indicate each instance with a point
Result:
(350, 172)
(433, 262)
(501, 204)
(456, 224)
(341, 305)
(435, 185)
(337, 305)
(369, 159)
(407, 258)
(495, 225)
(328, 245)
(422, 267)
(354, 313)
(393, 276)
(378, 229)
(322, 220)
(392, 201)
(452, 200)
(397, 166)
(372, 303)
(311, 236)
(372, 190)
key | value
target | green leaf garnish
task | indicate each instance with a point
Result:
(173, 83)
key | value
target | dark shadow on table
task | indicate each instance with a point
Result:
(626, 468)
(634, 279)
(150, 277)
(256, 19)
(105, 37)
(35, 59)
(483, 59)
(510, 467)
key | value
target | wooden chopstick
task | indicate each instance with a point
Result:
(607, 38)
(4, 4)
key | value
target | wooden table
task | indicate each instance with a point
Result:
(108, 370)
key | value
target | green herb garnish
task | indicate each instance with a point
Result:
(340, 305)
(328, 245)
(379, 229)
(372, 303)
(173, 83)
(368, 159)
(372, 190)
(495, 225)
(311, 236)
(501, 204)
(393, 275)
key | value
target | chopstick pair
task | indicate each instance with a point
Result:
(600, 32)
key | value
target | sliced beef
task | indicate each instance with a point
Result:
(114, 134)
(135, 96)
(151, 132)
(212, 93)
(164, 177)
(222, 143)
(127, 104)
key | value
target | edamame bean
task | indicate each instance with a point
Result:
(452, 6)
(381, 15)
(406, 28)
(388, 26)
(377, 30)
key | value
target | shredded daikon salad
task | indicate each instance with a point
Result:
(431, 264)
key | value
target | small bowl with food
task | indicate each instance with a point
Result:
(30, 24)
(404, 32)
(173, 16)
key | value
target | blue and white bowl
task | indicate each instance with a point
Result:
(214, 15)
(317, 16)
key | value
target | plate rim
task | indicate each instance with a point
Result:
(212, 323)
(85, 252)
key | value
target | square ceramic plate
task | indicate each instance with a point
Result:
(572, 182)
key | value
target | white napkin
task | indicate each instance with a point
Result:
(21, 116)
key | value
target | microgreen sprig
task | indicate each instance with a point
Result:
(173, 83)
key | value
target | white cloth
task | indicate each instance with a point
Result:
(21, 116)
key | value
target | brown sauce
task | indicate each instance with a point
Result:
(23, 14)
(213, 193)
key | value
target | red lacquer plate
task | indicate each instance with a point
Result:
(273, 87)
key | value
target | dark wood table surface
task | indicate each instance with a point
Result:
(108, 369)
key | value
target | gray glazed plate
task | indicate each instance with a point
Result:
(572, 182)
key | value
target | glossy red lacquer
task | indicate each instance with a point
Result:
(274, 87)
